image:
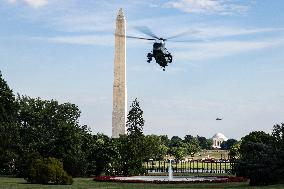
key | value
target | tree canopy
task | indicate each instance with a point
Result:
(8, 127)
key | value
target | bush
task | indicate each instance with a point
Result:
(48, 171)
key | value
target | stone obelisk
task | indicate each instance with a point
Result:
(119, 85)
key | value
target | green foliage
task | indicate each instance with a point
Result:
(278, 134)
(179, 152)
(209, 144)
(48, 171)
(135, 121)
(258, 136)
(181, 148)
(104, 153)
(128, 161)
(131, 148)
(176, 141)
(8, 107)
(8, 129)
(235, 150)
(257, 163)
(204, 143)
(154, 148)
(165, 140)
(52, 130)
(227, 145)
(261, 157)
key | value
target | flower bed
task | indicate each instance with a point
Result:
(221, 179)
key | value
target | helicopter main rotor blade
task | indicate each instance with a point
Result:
(133, 37)
(188, 41)
(147, 31)
(183, 34)
(140, 38)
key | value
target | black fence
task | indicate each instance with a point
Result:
(191, 166)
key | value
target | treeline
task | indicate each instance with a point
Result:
(33, 129)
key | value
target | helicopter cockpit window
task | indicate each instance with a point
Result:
(157, 45)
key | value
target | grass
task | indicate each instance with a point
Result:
(87, 183)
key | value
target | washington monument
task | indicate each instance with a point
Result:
(119, 84)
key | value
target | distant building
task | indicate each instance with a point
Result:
(218, 138)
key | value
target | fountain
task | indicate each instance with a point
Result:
(170, 170)
(169, 178)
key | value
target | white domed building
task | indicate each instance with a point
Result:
(218, 138)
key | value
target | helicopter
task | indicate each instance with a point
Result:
(219, 119)
(160, 53)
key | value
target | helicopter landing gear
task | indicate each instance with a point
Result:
(169, 58)
(149, 56)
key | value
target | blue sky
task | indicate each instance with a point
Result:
(64, 50)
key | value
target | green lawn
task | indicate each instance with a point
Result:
(87, 183)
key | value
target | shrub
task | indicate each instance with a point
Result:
(48, 170)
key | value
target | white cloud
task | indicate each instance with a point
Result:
(221, 31)
(36, 3)
(205, 51)
(84, 22)
(12, 1)
(104, 40)
(207, 6)
(32, 3)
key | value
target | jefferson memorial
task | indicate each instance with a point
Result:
(218, 138)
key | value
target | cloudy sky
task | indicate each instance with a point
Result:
(233, 67)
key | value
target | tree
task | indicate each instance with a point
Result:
(8, 128)
(176, 141)
(179, 152)
(209, 144)
(188, 138)
(165, 140)
(234, 152)
(135, 121)
(258, 159)
(132, 147)
(227, 145)
(154, 148)
(103, 155)
(278, 135)
(192, 147)
(204, 143)
(52, 130)
(258, 136)
(257, 162)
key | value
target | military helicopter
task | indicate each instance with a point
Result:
(159, 52)
(219, 119)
